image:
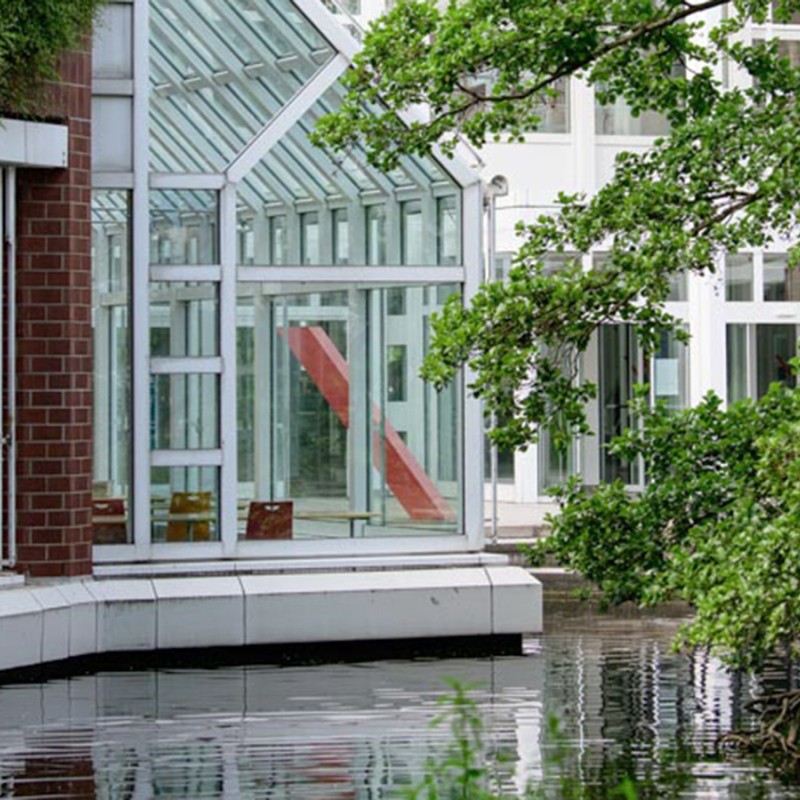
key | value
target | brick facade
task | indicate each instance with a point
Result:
(54, 345)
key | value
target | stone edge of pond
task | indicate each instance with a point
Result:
(384, 614)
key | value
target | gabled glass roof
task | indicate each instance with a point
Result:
(295, 171)
(220, 71)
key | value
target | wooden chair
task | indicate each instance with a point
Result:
(189, 517)
(269, 519)
(109, 520)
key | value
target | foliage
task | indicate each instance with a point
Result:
(464, 772)
(723, 180)
(33, 34)
(717, 525)
(461, 773)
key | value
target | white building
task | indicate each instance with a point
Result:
(749, 311)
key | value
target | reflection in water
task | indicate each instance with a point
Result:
(627, 706)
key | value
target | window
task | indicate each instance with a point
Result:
(781, 284)
(341, 236)
(447, 231)
(616, 119)
(396, 372)
(183, 227)
(376, 234)
(758, 355)
(412, 242)
(738, 277)
(310, 245)
(781, 17)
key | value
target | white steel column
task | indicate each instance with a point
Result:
(472, 455)
(707, 362)
(140, 302)
(3, 261)
(227, 344)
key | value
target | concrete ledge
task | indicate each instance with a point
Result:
(32, 144)
(45, 624)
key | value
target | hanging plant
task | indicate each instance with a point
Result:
(33, 34)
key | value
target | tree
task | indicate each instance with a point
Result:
(719, 522)
(724, 179)
(33, 34)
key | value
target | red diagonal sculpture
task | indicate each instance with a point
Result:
(325, 365)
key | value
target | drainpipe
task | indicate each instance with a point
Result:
(3, 261)
(10, 437)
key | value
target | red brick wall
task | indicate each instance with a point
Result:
(54, 345)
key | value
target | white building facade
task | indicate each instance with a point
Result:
(744, 320)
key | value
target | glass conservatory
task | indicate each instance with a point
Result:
(261, 307)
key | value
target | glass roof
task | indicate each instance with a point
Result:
(219, 72)
(295, 171)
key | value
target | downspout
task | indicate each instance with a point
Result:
(11, 339)
(3, 261)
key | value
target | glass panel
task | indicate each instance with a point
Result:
(616, 119)
(341, 236)
(447, 231)
(395, 302)
(219, 72)
(278, 244)
(334, 420)
(553, 111)
(310, 250)
(792, 19)
(505, 460)
(555, 465)
(669, 376)
(678, 288)
(431, 450)
(112, 43)
(113, 150)
(503, 263)
(184, 411)
(413, 247)
(780, 283)
(184, 319)
(790, 50)
(736, 346)
(183, 227)
(185, 504)
(776, 345)
(739, 277)
(620, 370)
(111, 420)
(396, 369)
(376, 234)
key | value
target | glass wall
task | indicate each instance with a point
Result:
(334, 421)
(254, 398)
(112, 366)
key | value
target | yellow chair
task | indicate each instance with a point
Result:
(189, 517)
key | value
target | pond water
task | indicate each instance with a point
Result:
(626, 706)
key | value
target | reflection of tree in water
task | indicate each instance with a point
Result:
(636, 711)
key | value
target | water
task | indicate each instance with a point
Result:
(627, 707)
